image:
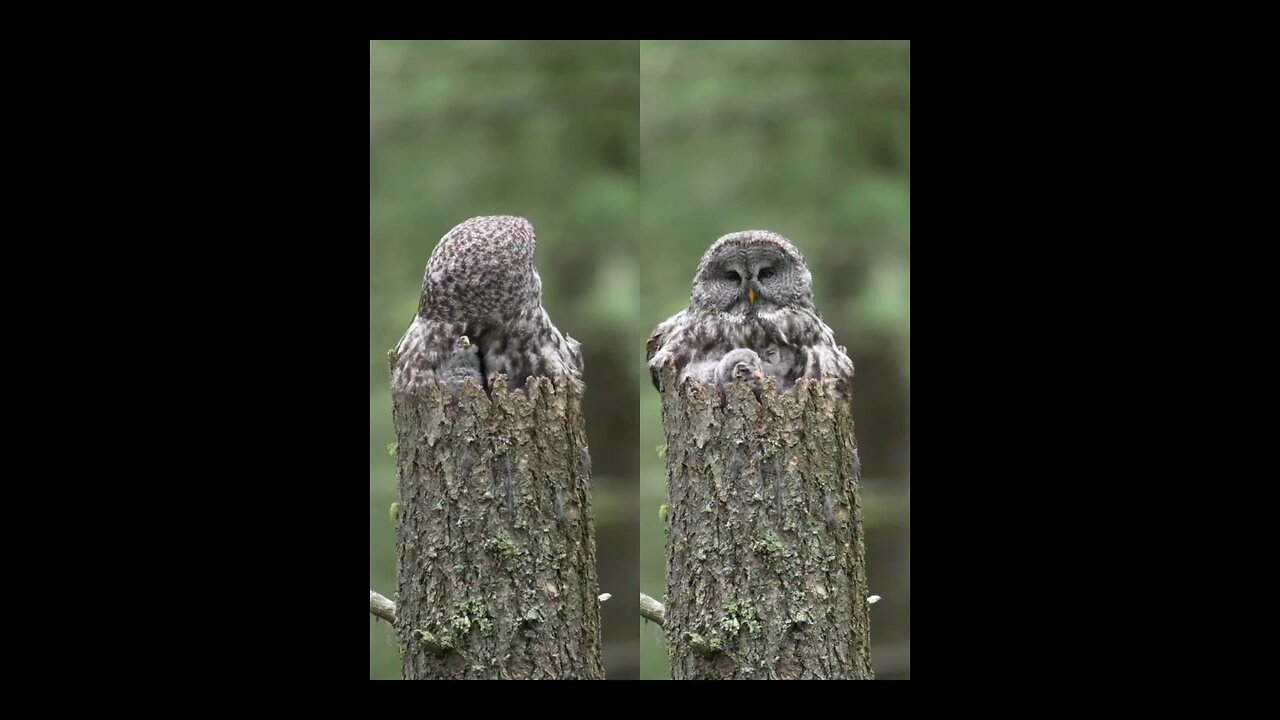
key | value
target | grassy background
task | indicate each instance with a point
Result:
(811, 140)
(546, 130)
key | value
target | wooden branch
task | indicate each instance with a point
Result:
(652, 610)
(382, 607)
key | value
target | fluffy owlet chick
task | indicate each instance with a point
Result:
(740, 365)
(462, 363)
(481, 282)
(754, 291)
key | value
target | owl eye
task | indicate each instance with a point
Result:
(733, 277)
(766, 273)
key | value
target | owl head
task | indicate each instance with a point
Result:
(747, 273)
(482, 268)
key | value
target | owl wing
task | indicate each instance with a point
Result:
(420, 356)
(656, 344)
(575, 353)
(560, 358)
(531, 346)
(827, 360)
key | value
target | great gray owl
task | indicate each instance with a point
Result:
(481, 314)
(751, 315)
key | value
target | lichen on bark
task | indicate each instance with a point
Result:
(766, 569)
(495, 536)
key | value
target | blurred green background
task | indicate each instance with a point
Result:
(810, 140)
(546, 130)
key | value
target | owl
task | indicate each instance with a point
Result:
(751, 315)
(462, 363)
(481, 314)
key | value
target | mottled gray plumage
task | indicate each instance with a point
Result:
(753, 296)
(740, 365)
(462, 363)
(481, 283)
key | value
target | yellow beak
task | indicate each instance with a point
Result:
(751, 296)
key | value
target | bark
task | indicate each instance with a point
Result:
(766, 569)
(495, 536)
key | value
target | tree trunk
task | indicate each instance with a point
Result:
(766, 570)
(495, 538)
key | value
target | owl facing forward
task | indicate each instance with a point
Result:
(481, 314)
(751, 315)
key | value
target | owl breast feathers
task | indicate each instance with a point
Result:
(481, 314)
(751, 314)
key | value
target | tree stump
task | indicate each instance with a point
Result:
(766, 569)
(495, 538)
